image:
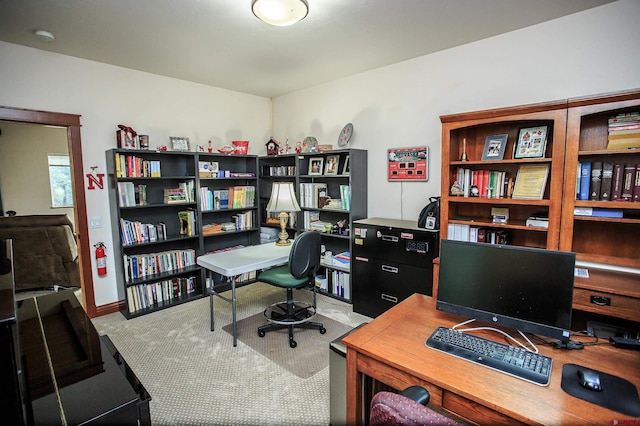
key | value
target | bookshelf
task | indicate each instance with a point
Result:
(298, 168)
(158, 203)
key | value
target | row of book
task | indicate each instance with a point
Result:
(607, 181)
(624, 131)
(477, 234)
(131, 195)
(135, 232)
(336, 283)
(146, 295)
(145, 265)
(313, 195)
(278, 170)
(184, 193)
(234, 197)
(132, 166)
(483, 183)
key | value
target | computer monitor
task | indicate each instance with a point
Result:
(527, 289)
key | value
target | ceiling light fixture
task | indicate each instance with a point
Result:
(280, 13)
(45, 36)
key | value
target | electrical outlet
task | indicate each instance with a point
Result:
(95, 222)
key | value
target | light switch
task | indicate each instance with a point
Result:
(95, 222)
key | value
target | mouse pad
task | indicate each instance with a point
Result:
(617, 393)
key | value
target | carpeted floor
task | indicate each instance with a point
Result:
(197, 377)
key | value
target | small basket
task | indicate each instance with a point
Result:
(240, 147)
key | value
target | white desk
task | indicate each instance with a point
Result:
(235, 262)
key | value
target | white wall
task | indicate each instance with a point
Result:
(106, 96)
(587, 53)
(591, 52)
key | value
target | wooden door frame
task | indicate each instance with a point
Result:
(72, 123)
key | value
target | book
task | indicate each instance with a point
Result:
(597, 212)
(606, 182)
(631, 142)
(616, 186)
(596, 180)
(585, 180)
(636, 184)
(627, 182)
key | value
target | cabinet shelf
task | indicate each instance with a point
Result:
(498, 201)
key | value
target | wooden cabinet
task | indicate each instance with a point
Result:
(466, 134)
(341, 175)
(158, 233)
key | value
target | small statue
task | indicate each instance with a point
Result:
(298, 147)
(456, 189)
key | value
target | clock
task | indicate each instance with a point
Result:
(345, 135)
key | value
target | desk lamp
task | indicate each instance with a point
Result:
(283, 200)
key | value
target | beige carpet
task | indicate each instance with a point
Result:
(305, 360)
(196, 376)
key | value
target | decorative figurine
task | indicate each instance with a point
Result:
(464, 156)
(272, 146)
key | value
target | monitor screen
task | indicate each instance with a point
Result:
(528, 289)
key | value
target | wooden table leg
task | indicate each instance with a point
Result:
(354, 390)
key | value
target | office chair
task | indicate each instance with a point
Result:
(408, 407)
(304, 261)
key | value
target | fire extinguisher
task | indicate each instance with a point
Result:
(101, 259)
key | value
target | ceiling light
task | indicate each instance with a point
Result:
(280, 13)
(45, 36)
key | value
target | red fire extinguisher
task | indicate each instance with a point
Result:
(101, 259)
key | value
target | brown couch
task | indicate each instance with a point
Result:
(44, 251)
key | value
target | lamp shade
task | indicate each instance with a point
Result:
(280, 13)
(283, 198)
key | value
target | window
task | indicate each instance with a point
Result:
(60, 180)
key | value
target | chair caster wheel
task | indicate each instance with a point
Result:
(292, 343)
(323, 330)
(261, 333)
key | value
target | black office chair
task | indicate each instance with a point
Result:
(407, 408)
(304, 261)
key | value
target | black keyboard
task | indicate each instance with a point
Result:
(523, 364)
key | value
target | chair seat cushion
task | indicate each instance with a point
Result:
(281, 277)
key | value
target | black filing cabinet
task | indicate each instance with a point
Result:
(391, 259)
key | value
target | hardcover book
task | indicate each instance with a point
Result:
(596, 180)
(585, 179)
(607, 180)
(616, 186)
(627, 182)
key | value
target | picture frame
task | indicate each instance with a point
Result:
(315, 166)
(179, 143)
(494, 147)
(331, 166)
(531, 182)
(531, 143)
(345, 166)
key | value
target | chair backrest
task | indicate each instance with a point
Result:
(304, 258)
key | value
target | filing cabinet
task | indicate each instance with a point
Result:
(391, 259)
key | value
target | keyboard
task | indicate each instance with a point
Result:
(520, 363)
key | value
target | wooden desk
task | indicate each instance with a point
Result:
(391, 349)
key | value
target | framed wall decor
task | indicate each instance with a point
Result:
(494, 147)
(407, 164)
(531, 182)
(531, 143)
(179, 143)
(315, 166)
(331, 168)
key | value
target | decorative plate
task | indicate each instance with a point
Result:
(309, 144)
(345, 135)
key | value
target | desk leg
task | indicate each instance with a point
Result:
(354, 390)
(211, 294)
(233, 310)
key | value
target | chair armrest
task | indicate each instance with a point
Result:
(417, 394)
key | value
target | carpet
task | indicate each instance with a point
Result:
(308, 358)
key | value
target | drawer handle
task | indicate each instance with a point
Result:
(390, 238)
(601, 300)
(389, 298)
(389, 269)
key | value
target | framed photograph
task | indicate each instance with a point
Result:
(494, 147)
(531, 182)
(331, 168)
(345, 166)
(179, 143)
(315, 166)
(531, 143)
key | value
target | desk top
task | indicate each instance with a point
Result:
(245, 259)
(397, 338)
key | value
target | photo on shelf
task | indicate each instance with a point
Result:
(531, 182)
(531, 143)
(315, 166)
(331, 168)
(345, 166)
(179, 143)
(494, 147)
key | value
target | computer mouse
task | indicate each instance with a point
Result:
(589, 379)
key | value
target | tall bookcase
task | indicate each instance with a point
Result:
(154, 248)
(350, 171)
(578, 131)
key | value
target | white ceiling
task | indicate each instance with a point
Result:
(221, 43)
